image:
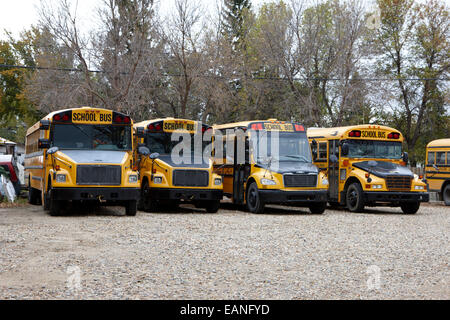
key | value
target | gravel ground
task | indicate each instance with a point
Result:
(284, 254)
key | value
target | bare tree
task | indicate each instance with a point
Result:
(122, 49)
(184, 58)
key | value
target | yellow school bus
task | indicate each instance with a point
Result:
(268, 162)
(172, 172)
(83, 155)
(437, 169)
(365, 166)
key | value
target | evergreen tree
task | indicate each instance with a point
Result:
(234, 14)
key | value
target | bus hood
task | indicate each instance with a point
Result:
(95, 156)
(291, 167)
(383, 169)
(167, 158)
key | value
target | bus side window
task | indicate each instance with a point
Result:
(322, 151)
(440, 158)
(448, 158)
(430, 158)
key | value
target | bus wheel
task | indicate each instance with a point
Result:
(446, 195)
(148, 204)
(131, 208)
(354, 197)
(254, 203)
(318, 208)
(212, 206)
(410, 207)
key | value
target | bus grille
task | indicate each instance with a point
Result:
(300, 180)
(99, 175)
(398, 183)
(190, 178)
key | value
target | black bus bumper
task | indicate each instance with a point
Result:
(299, 197)
(185, 194)
(102, 194)
(396, 197)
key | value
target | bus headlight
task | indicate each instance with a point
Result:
(60, 178)
(419, 188)
(217, 181)
(325, 181)
(157, 180)
(133, 178)
(377, 186)
(267, 182)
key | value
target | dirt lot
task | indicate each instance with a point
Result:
(284, 254)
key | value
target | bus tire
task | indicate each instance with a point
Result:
(354, 198)
(254, 202)
(55, 207)
(212, 206)
(148, 204)
(410, 207)
(131, 208)
(318, 208)
(446, 195)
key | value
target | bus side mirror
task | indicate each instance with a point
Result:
(52, 150)
(405, 157)
(142, 150)
(314, 149)
(344, 149)
(435, 167)
(154, 155)
(334, 159)
(44, 125)
(43, 143)
(140, 132)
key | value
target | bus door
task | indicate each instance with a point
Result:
(333, 170)
(241, 171)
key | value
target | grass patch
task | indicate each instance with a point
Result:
(20, 202)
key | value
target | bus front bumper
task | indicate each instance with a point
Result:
(185, 194)
(103, 194)
(375, 196)
(300, 196)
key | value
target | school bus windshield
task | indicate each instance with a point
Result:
(292, 146)
(91, 137)
(161, 142)
(374, 149)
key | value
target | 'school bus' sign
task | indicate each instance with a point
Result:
(88, 116)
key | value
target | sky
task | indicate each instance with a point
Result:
(17, 15)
